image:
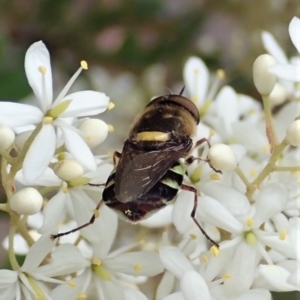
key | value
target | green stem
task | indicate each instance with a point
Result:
(7, 156)
(267, 169)
(271, 134)
(240, 173)
(286, 169)
(11, 234)
(4, 207)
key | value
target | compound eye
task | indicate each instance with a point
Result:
(187, 104)
(182, 101)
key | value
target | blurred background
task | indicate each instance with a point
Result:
(136, 49)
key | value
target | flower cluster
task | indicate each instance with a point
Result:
(248, 202)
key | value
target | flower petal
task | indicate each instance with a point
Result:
(7, 277)
(40, 80)
(53, 212)
(18, 114)
(135, 263)
(39, 154)
(255, 294)
(273, 48)
(181, 214)
(277, 277)
(236, 202)
(193, 286)
(175, 261)
(271, 201)
(66, 259)
(241, 270)
(294, 30)
(174, 296)
(166, 285)
(214, 213)
(196, 77)
(78, 148)
(131, 294)
(287, 72)
(37, 252)
(85, 103)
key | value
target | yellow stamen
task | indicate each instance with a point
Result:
(193, 236)
(214, 176)
(110, 128)
(42, 69)
(81, 296)
(96, 261)
(226, 276)
(65, 189)
(138, 267)
(111, 105)
(71, 283)
(84, 65)
(221, 73)
(249, 222)
(251, 112)
(204, 258)
(47, 120)
(214, 251)
(282, 234)
(212, 132)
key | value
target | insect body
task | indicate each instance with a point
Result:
(149, 172)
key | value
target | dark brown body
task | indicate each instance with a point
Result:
(148, 173)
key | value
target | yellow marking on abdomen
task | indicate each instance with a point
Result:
(153, 136)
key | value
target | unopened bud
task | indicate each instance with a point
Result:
(68, 169)
(293, 133)
(7, 137)
(27, 201)
(263, 79)
(94, 131)
(222, 158)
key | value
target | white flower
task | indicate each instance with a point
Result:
(29, 282)
(284, 69)
(106, 269)
(53, 116)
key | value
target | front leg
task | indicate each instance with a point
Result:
(191, 159)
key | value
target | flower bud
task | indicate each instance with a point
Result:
(68, 169)
(7, 137)
(222, 158)
(264, 80)
(293, 133)
(27, 201)
(94, 131)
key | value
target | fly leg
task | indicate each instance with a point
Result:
(193, 213)
(191, 159)
(92, 220)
